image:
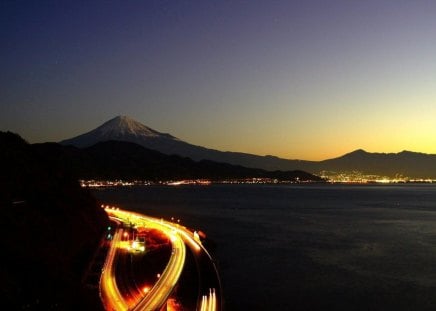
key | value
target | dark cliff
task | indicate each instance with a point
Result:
(50, 228)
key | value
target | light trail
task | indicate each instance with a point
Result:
(157, 296)
(153, 298)
(208, 302)
(112, 299)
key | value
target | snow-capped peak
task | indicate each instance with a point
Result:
(122, 128)
(124, 125)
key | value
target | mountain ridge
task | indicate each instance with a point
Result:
(123, 128)
(129, 161)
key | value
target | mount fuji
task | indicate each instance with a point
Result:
(124, 128)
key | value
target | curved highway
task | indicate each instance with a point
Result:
(110, 295)
(209, 295)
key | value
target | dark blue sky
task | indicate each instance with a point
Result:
(298, 79)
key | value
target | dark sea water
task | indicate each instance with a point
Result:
(308, 247)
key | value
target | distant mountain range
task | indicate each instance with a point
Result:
(122, 128)
(405, 163)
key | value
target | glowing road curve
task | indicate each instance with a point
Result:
(157, 296)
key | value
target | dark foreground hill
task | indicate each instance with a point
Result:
(125, 160)
(50, 227)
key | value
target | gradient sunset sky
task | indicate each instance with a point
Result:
(296, 79)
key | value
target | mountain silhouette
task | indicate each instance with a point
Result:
(123, 128)
(126, 160)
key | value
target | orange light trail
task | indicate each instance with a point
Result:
(112, 299)
(157, 295)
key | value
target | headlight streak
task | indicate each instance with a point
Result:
(109, 293)
(159, 293)
(208, 302)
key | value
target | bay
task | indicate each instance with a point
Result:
(314, 247)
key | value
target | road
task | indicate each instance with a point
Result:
(111, 297)
(209, 295)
